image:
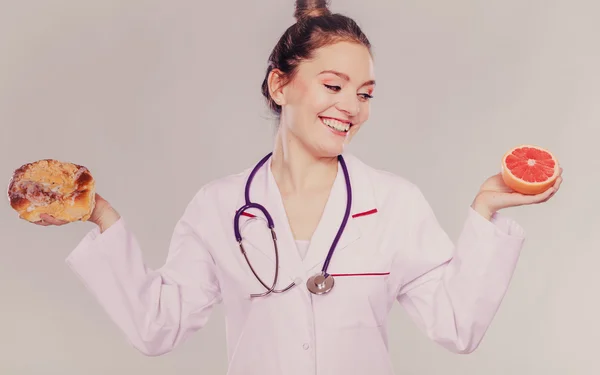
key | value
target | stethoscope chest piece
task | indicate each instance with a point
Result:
(320, 284)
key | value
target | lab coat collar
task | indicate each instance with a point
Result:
(264, 190)
(362, 205)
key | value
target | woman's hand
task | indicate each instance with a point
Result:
(103, 215)
(494, 195)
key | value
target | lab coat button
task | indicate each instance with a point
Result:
(306, 346)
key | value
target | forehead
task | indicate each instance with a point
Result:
(352, 59)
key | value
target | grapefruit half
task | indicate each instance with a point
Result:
(529, 169)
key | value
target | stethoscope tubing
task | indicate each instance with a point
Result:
(270, 223)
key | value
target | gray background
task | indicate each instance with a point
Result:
(158, 98)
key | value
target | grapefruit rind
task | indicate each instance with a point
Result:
(526, 187)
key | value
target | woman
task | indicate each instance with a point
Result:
(319, 82)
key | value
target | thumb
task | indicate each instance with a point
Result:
(99, 209)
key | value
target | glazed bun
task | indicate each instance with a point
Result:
(63, 190)
(311, 8)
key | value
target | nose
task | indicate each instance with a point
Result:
(349, 104)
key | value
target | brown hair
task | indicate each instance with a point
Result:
(315, 27)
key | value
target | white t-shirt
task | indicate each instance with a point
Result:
(302, 246)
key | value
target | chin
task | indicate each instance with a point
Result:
(330, 150)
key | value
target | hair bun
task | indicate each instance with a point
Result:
(311, 8)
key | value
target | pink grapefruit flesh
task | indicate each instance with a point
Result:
(529, 169)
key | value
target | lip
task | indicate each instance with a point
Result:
(334, 131)
(337, 119)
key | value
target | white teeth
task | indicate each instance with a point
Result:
(337, 125)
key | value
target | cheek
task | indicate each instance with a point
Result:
(313, 99)
(322, 101)
(363, 116)
(365, 111)
(317, 101)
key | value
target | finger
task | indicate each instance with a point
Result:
(538, 198)
(58, 222)
(549, 197)
(546, 195)
(47, 219)
(558, 183)
(52, 220)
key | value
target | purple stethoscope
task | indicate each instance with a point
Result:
(320, 283)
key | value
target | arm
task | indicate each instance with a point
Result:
(453, 292)
(155, 309)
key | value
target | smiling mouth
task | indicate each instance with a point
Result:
(337, 125)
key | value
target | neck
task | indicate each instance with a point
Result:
(296, 170)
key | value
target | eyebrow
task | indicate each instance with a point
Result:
(346, 77)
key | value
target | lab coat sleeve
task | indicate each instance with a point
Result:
(155, 309)
(453, 292)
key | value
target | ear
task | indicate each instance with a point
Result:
(276, 83)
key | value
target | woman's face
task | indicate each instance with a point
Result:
(328, 99)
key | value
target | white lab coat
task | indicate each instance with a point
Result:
(393, 249)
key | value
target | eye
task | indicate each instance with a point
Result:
(333, 88)
(365, 97)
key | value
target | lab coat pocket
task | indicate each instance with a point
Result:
(359, 297)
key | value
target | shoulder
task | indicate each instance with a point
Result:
(385, 184)
(222, 189)
(387, 187)
(214, 201)
(397, 198)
